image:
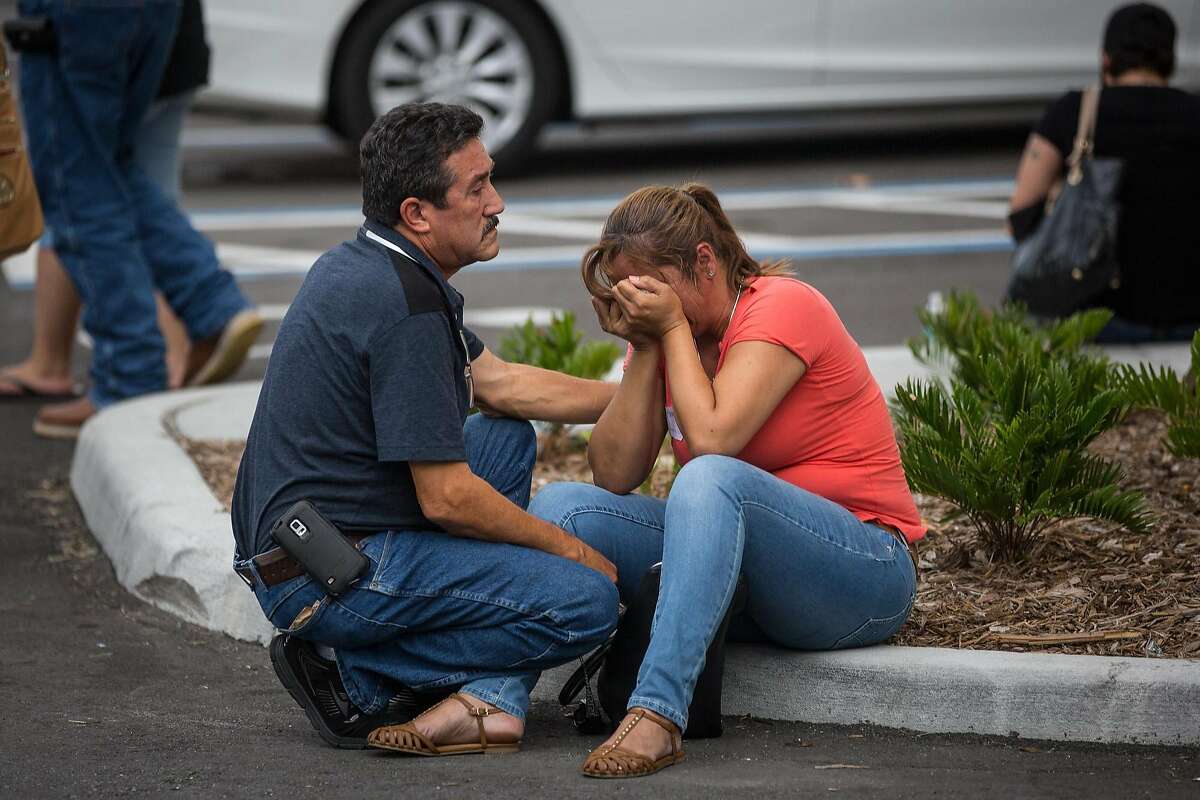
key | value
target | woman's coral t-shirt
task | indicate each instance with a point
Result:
(831, 434)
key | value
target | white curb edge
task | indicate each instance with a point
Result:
(941, 690)
(169, 541)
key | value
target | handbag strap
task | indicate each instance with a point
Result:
(1085, 134)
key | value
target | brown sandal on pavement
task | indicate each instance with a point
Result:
(613, 761)
(406, 738)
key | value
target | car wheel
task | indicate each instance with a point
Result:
(492, 56)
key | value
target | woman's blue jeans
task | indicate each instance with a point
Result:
(818, 578)
(439, 611)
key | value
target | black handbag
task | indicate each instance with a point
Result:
(616, 663)
(1072, 255)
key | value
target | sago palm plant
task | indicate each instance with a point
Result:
(1009, 449)
(1145, 385)
(962, 333)
(559, 347)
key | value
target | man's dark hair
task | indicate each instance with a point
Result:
(1140, 36)
(404, 152)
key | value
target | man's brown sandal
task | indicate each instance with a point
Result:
(406, 738)
(613, 761)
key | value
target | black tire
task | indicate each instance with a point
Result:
(351, 109)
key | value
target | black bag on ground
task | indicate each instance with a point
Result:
(1072, 255)
(617, 663)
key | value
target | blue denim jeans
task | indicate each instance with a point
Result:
(156, 145)
(437, 611)
(1122, 331)
(818, 578)
(116, 233)
(155, 148)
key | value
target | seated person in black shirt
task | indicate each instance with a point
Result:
(1155, 130)
(363, 412)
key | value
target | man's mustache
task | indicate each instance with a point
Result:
(493, 223)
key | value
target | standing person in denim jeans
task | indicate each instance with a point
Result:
(791, 475)
(116, 233)
(363, 413)
(46, 373)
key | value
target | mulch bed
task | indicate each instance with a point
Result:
(1085, 579)
(1089, 588)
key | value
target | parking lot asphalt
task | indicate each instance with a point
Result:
(102, 696)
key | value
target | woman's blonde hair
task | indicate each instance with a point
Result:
(664, 225)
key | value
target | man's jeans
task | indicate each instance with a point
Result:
(436, 611)
(116, 233)
(818, 578)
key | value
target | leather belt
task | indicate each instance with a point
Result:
(275, 566)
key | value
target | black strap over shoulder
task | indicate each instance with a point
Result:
(420, 289)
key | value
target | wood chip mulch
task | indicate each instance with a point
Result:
(1089, 588)
(217, 460)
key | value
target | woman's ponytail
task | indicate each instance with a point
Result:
(729, 247)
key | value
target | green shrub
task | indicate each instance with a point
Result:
(1179, 398)
(1008, 447)
(963, 334)
(559, 347)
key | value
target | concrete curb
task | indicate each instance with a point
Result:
(171, 545)
(169, 541)
(941, 690)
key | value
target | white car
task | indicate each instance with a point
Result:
(522, 63)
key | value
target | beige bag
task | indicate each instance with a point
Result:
(20, 211)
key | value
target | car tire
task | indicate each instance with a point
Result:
(395, 52)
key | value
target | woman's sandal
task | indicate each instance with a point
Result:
(406, 738)
(613, 761)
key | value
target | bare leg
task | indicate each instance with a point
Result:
(178, 344)
(55, 317)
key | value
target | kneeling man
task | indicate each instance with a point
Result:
(363, 413)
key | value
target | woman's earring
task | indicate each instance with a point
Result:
(712, 273)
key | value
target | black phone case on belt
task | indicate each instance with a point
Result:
(326, 555)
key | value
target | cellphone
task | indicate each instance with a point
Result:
(31, 34)
(326, 555)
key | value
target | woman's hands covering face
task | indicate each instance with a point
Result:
(651, 307)
(613, 320)
(641, 310)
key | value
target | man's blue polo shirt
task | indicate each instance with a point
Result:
(366, 374)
